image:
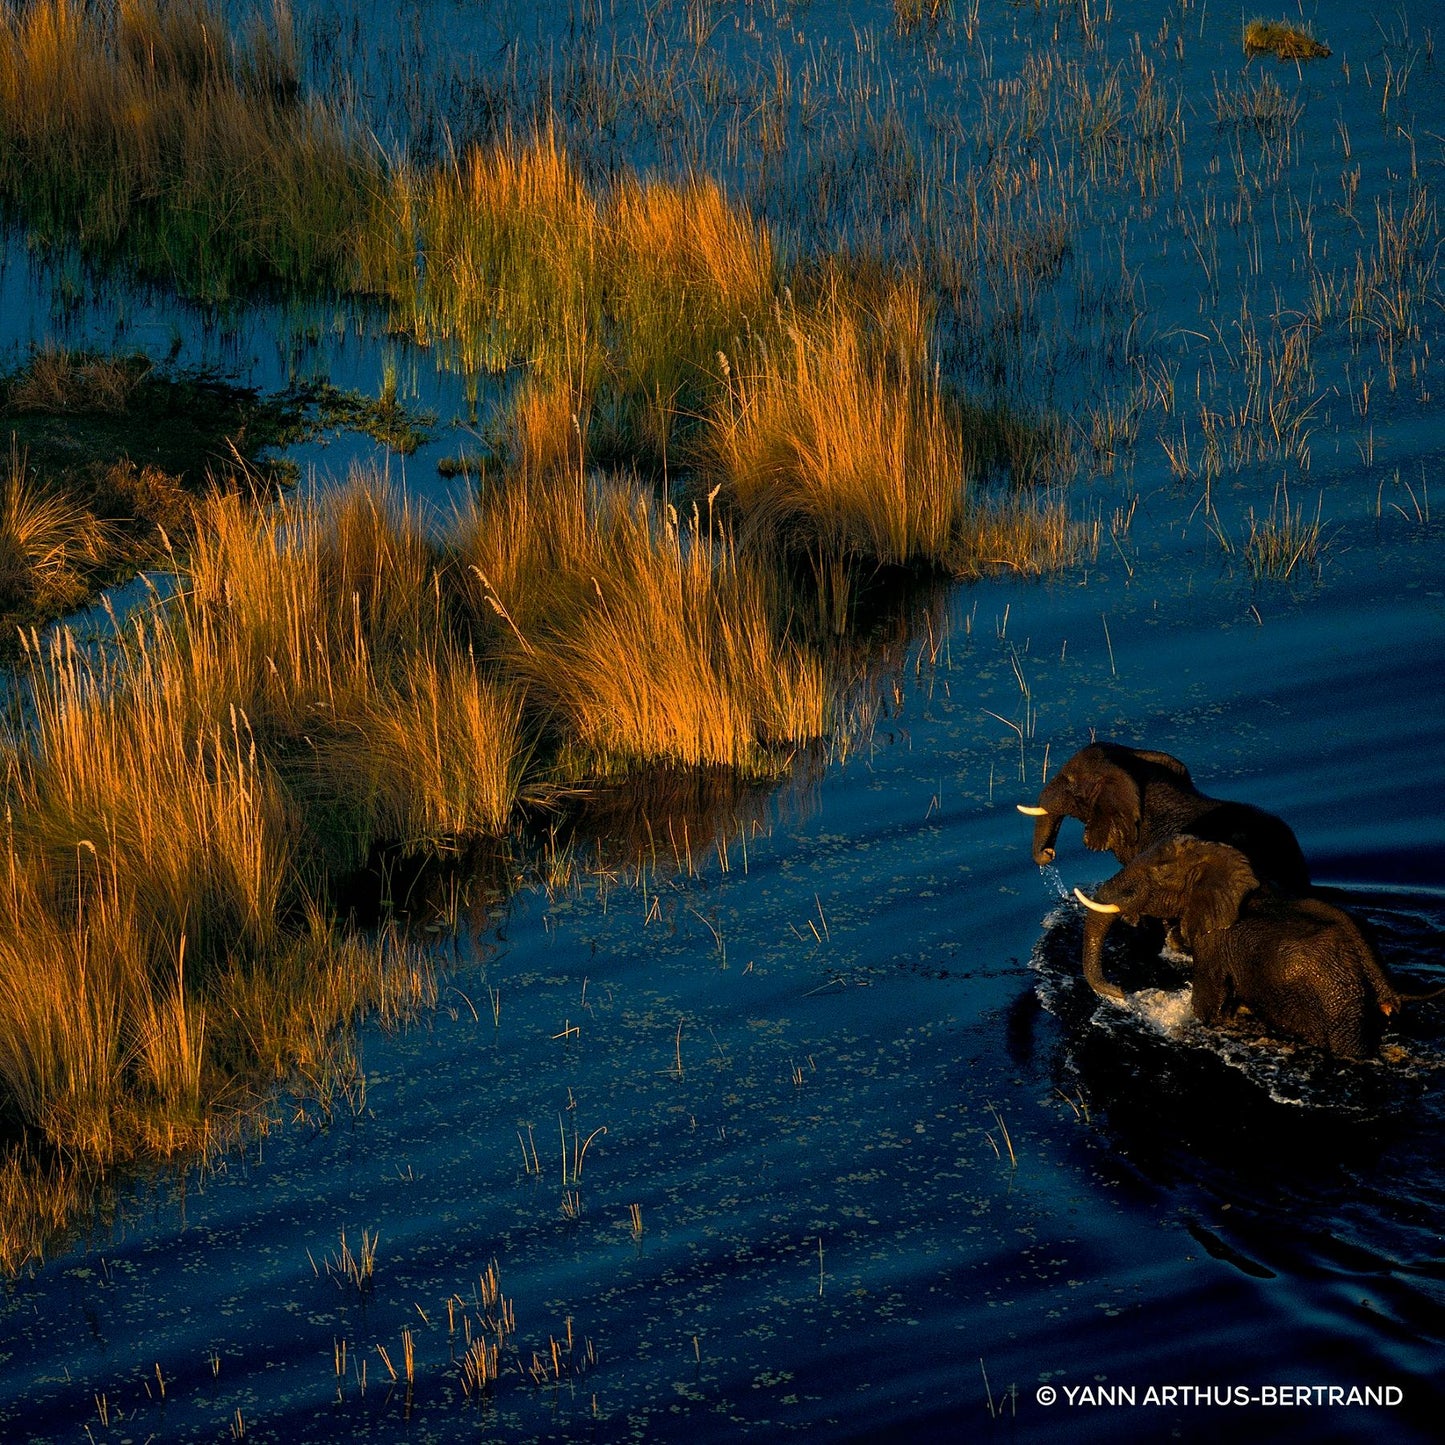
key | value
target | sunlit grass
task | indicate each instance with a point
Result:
(837, 437)
(331, 676)
(508, 238)
(645, 638)
(47, 541)
(1282, 40)
(837, 440)
(1286, 540)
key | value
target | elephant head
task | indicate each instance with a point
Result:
(1199, 885)
(1101, 785)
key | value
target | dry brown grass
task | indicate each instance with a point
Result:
(174, 809)
(836, 436)
(836, 440)
(57, 380)
(46, 541)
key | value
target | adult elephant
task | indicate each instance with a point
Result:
(1130, 799)
(1301, 965)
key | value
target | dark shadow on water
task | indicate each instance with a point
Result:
(452, 887)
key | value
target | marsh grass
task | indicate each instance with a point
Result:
(837, 441)
(1286, 541)
(333, 677)
(837, 437)
(1260, 106)
(645, 637)
(59, 380)
(325, 624)
(508, 236)
(913, 15)
(149, 135)
(638, 308)
(179, 802)
(109, 460)
(48, 543)
(1282, 40)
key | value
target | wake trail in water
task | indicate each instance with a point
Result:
(1289, 1073)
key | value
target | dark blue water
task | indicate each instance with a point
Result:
(894, 1168)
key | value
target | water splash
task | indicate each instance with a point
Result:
(1287, 1072)
(1055, 880)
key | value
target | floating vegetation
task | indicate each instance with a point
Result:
(1282, 40)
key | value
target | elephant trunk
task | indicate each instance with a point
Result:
(1046, 832)
(1097, 923)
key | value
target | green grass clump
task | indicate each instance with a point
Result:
(143, 131)
(1282, 40)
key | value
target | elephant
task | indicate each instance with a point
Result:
(1130, 799)
(1301, 965)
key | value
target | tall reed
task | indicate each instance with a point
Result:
(147, 133)
(646, 638)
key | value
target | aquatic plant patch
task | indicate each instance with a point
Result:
(1282, 40)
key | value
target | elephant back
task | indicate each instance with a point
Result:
(1267, 841)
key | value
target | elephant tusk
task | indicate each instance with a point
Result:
(1097, 907)
(1032, 812)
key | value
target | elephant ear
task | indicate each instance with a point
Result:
(1220, 880)
(1168, 762)
(1111, 814)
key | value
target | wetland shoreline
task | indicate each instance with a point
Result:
(747, 312)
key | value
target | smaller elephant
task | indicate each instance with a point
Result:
(1130, 799)
(1303, 966)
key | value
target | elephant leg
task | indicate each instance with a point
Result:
(1209, 994)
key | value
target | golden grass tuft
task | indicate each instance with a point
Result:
(688, 275)
(1286, 540)
(836, 436)
(1282, 40)
(648, 640)
(46, 541)
(544, 428)
(508, 236)
(58, 380)
(175, 805)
